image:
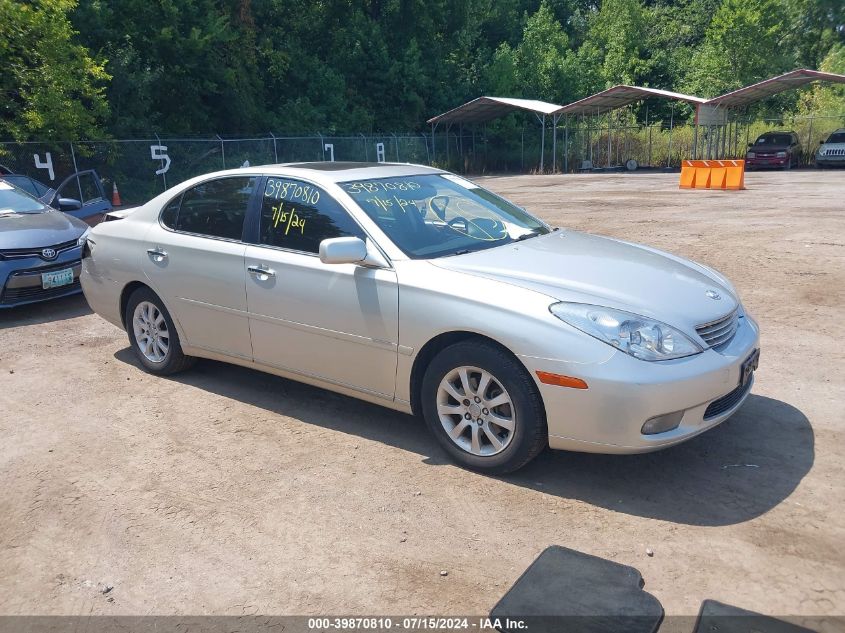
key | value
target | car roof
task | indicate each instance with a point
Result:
(773, 132)
(338, 171)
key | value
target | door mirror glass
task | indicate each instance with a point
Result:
(69, 204)
(343, 250)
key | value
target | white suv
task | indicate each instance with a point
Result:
(831, 153)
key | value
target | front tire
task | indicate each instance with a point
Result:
(153, 336)
(483, 407)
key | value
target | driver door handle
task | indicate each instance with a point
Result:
(156, 254)
(263, 273)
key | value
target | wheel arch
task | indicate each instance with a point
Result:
(437, 344)
(127, 291)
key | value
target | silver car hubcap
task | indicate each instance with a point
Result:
(476, 411)
(151, 332)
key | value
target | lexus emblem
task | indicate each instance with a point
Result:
(49, 253)
(713, 295)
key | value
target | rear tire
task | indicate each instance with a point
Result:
(153, 336)
(483, 407)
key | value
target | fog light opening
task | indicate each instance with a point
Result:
(662, 423)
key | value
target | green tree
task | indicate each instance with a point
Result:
(619, 30)
(51, 87)
(743, 44)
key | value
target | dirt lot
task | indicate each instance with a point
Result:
(227, 491)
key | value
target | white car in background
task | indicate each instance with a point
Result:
(416, 289)
(831, 153)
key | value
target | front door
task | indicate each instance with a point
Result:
(195, 261)
(338, 323)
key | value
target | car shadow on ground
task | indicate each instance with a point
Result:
(45, 312)
(733, 473)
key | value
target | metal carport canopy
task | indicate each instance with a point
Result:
(769, 87)
(488, 108)
(620, 96)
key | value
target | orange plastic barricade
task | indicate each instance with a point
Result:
(713, 174)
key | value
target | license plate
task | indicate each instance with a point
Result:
(748, 367)
(57, 278)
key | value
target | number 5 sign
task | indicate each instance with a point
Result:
(159, 152)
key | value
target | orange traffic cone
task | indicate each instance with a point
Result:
(115, 196)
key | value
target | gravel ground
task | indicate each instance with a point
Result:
(227, 491)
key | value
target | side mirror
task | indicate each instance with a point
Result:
(343, 250)
(69, 204)
(821, 142)
(751, 145)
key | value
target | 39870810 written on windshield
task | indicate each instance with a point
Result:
(437, 215)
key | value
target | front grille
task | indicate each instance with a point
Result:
(728, 402)
(36, 293)
(834, 152)
(23, 253)
(721, 331)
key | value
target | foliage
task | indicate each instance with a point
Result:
(186, 67)
(50, 86)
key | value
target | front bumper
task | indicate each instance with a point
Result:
(766, 162)
(625, 392)
(831, 161)
(20, 279)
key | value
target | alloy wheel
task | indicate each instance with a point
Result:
(476, 411)
(151, 333)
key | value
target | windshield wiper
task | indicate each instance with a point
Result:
(525, 236)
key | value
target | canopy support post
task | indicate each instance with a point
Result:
(566, 145)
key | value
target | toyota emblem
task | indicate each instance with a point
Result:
(713, 295)
(49, 253)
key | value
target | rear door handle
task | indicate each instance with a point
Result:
(156, 254)
(262, 273)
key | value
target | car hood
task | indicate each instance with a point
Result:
(825, 146)
(573, 266)
(34, 230)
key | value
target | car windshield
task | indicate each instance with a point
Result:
(836, 137)
(436, 215)
(774, 139)
(13, 200)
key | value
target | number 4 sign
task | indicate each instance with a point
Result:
(48, 164)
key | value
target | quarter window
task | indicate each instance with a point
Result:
(215, 208)
(298, 216)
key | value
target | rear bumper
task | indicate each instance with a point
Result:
(625, 392)
(20, 279)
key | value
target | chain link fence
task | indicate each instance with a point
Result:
(143, 168)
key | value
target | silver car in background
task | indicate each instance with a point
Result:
(416, 289)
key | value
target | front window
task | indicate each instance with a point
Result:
(14, 201)
(298, 216)
(836, 137)
(435, 215)
(775, 139)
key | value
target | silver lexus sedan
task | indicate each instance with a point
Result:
(416, 289)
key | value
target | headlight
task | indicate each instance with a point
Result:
(83, 237)
(751, 155)
(781, 154)
(633, 334)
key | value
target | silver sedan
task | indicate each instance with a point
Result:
(416, 289)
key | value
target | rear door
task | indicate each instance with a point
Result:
(194, 260)
(338, 323)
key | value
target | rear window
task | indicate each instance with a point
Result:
(14, 200)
